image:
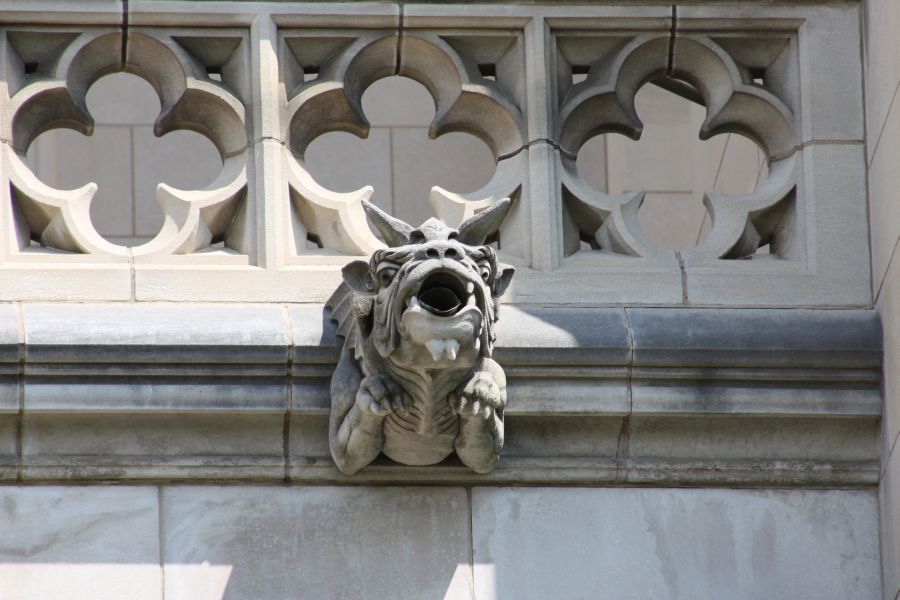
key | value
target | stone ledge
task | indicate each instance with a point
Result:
(657, 396)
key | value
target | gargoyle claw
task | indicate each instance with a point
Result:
(381, 395)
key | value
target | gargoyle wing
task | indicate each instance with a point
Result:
(349, 309)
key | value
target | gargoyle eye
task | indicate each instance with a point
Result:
(386, 276)
(485, 271)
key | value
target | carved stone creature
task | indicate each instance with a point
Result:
(415, 379)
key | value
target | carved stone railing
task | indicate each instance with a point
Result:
(175, 392)
(263, 80)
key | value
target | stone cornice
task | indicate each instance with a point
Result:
(226, 392)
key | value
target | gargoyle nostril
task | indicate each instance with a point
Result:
(450, 252)
(432, 252)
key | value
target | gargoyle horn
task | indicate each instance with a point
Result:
(475, 230)
(395, 232)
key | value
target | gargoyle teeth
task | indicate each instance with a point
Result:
(470, 287)
(438, 348)
(412, 301)
(451, 347)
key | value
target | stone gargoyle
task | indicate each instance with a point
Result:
(415, 379)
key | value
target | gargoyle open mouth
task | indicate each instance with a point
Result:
(443, 294)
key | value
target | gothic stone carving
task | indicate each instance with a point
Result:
(416, 380)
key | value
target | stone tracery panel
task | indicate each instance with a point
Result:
(736, 102)
(502, 73)
(463, 74)
(56, 77)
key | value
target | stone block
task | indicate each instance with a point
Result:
(375, 15)
(315, 338)
(9, 358)
(759, 337)
(884, 198)
(79, 543)
(105, 446)
(56, 12)
(210, 333)
(714, 440)
(831, 206)
(829, 43)
(889, 499)
(564, 336)
(888, 308)
(344, 542)
(882, 65)
(235, 283)
(68, 282)
(9, 449)
(677, 544)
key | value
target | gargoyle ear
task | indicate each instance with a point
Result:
(475, 230)
(501, 282)
(395, 232)
(358, 277)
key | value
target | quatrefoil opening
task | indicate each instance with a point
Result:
(54, 96)
(737, 101)
(466, 100)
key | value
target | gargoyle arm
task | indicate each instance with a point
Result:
(356, 435)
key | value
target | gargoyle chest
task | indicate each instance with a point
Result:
(424, 434)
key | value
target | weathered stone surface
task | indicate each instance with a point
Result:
(147, 333)
(79, 543)
(9, 358)
(755, 337)
(884, 208)
(889, 494)
(336, 542)
(678, 544)
(100, 445)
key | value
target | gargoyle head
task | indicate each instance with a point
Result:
(430, 298)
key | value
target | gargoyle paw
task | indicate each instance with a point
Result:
(480, 396)
(380, 394)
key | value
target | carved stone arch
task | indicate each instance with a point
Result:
(604, 102)
(464, 102)
(194, 219)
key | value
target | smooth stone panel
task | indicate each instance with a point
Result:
(889, 309)
(567, 336)
(889, 497)
(532, 543)
(79, 543)
(755, 337)
(159, 446)
(155, 332)
(882, 59)
(884, 197)
(319, 542)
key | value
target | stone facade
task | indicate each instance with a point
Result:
(700, 342)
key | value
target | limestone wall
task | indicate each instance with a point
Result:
(882, 60)
(692, 340)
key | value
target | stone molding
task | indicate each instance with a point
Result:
(262, 80)
(221, 392)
